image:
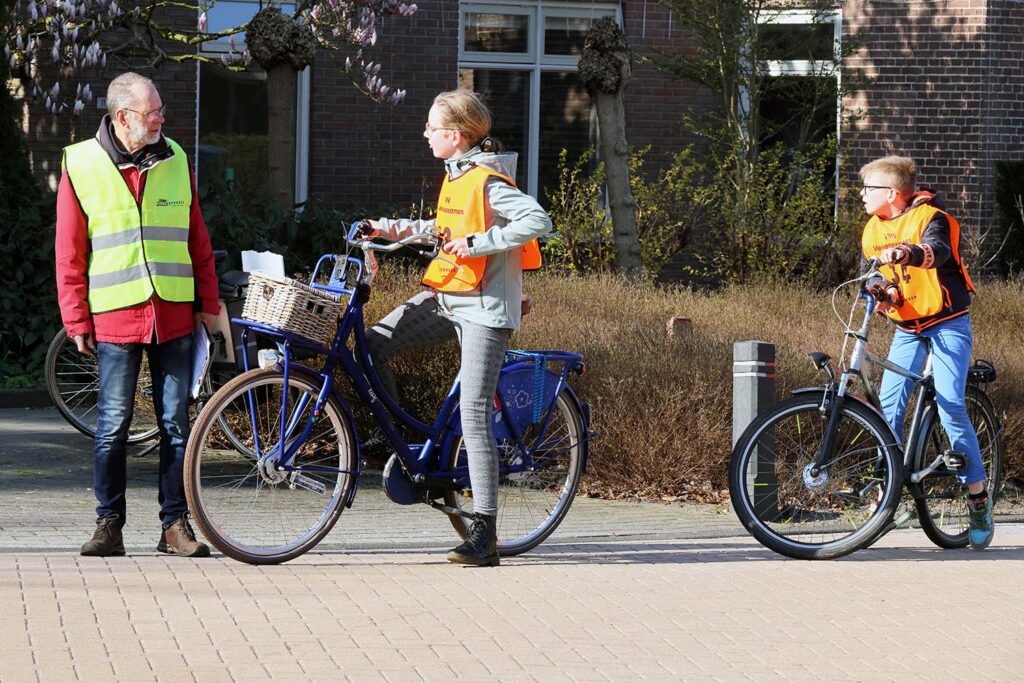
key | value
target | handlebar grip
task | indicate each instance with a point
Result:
(354, 231)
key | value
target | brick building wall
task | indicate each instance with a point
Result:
(367, 154)
(655, 104)
(948, 91)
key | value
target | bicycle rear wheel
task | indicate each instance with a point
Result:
(809, 517)
(532, 500)
(253, 512)
(942, 509)
(72, 380)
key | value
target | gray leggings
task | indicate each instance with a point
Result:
(421, 322)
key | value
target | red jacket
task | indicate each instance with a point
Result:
(155, 320)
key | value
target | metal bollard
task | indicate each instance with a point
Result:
(753, 391)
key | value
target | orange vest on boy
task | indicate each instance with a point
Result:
(461, 211)
(923, 293)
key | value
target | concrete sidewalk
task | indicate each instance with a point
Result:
(622, 592)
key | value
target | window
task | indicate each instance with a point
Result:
(524, 57)
(800, 55)
(231, 135)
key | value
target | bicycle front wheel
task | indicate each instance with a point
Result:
(534, 494)
(823, 516)
(247, 508)
(942, 508)
(72, 380)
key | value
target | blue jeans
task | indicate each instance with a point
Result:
(951, 357)
(170, 365)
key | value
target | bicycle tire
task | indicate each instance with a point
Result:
(204, 398)
(531, 504)
(245, 514)
(942, 510)
(815, 518)
(72, 380)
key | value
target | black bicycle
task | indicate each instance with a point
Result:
(821, 473)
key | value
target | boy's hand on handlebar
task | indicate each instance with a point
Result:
(886, 295)
(895, 255)
(459, 247)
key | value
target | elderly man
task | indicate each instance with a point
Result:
(135, 275)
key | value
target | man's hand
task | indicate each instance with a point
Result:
(459, 247)
(208, 318)
(86, 343)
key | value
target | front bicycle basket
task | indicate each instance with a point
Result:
(292, 306)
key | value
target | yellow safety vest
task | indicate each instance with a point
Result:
(135, 248)
(461, 211)
(923, 294)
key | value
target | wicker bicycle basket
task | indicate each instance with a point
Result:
(292, 306)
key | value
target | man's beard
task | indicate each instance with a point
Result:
(141, 134)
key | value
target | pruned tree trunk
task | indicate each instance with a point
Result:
(281, 134)
(605, 68)
(282, 47)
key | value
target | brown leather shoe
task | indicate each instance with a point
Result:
(179, 539)
(107, 540)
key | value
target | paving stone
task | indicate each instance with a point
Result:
(623, 591)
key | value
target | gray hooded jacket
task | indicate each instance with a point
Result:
(514, 218)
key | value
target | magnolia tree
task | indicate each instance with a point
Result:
(57, 47)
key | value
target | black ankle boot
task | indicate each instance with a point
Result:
(481, 546)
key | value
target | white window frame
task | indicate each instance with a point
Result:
(214, 49)
(535, 61)
(805, 67)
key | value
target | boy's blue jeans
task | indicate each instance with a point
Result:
(170, 365)
(951, 357)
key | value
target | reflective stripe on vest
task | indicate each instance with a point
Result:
(135, 248)
(923, 294)
(461, 211)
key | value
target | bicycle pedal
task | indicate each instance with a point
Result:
(954, 460)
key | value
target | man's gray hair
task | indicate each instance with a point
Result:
(121, 91)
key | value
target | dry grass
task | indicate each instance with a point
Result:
(663, 405)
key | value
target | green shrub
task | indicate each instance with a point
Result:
(663, 405)
(246, 156)
(582, 237)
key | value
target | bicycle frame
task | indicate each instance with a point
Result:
(418, 460)
(924, 388)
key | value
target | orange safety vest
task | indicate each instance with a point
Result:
(923, 293)
(461, 211)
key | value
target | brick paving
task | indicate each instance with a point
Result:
(623, 592)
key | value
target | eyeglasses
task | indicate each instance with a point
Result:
(149, 115)
(868, 188)
(429, 129)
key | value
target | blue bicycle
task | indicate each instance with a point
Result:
(275, 490)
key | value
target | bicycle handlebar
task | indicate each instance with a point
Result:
(421, 238)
